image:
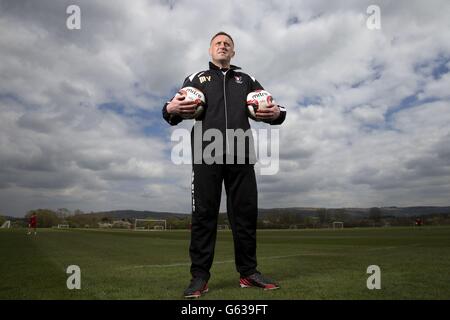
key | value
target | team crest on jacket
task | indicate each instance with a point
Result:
(238, 79)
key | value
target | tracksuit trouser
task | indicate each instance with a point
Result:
(242, 210)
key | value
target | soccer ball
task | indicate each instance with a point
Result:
(258, 100)
(193, 94)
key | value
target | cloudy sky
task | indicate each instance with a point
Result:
(368, 120)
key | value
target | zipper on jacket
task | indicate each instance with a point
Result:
(226, 116)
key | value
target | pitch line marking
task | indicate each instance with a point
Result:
(183, 264)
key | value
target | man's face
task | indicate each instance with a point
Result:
(221, 49)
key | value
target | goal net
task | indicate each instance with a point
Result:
(222, 227)
(149, 225)
(338, 225)
(6, 225)
(63, 226)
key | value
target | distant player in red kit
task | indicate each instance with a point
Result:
(32, 223)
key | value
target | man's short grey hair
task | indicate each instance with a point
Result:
(221, 33)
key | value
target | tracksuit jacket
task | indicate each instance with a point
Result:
(226, 94)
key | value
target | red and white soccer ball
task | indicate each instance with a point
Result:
(258, 100)
(193, 94)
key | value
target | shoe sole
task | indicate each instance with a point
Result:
(196, 296)
(247, 286)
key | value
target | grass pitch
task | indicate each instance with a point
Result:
(308, 264)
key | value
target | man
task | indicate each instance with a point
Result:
(225, 88)
(32, 223)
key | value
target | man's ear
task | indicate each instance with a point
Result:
(233, 54)
(210, 52)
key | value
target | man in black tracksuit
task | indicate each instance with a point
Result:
(225, 88)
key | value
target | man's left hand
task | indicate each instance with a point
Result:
(271, 113)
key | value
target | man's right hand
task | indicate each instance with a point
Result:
(181, 107)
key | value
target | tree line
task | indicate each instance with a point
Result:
(322, 218)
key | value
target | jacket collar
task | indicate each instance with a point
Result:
(212, 66)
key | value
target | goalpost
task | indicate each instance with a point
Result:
(338, 225)
(222, 227)
(6, 225)
(149, 224)
(63, 226)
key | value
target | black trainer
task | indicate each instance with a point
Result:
(196, 288)
(258, 280)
